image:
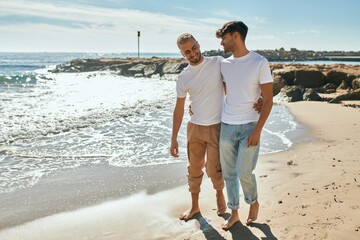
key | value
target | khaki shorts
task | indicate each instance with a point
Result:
(203, 152)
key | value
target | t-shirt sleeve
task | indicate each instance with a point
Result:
(265, 72)
(180, 91)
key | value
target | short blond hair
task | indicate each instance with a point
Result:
(183, 38)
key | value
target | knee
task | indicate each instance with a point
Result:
(245, 175)
(213, 170)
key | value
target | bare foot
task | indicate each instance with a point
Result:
(189, 214)
(253, 213)
(234, 218)
(221, 204)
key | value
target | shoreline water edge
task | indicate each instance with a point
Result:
(106, 168)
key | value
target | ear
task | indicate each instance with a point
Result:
(236, 35)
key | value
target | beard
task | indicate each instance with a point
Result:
(196, 59)
(228, 48)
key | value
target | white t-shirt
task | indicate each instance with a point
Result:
(204, 85)
(243, 77)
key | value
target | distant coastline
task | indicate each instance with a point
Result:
(280, 55)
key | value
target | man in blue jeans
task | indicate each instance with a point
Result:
(246, 75)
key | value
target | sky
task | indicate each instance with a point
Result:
(111, 25)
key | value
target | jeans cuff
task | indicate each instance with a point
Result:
(233, 206)
(251, 202)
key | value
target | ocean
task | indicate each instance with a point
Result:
(51, 122)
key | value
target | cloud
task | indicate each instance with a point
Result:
(260, 19)
(96, 16)
(184, 8)
(75, 27)
(226, 14)
(96, 27)
(303, 31)
(261, 37)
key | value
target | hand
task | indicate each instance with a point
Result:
(174, 148)
(190, 112)
(258, 106)
(253, 139)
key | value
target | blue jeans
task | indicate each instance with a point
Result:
(238, 162)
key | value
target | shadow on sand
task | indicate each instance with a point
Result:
(209, 232)
(238, 231)
(265, 229)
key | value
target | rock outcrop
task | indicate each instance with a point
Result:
(292, 82)
(130, 67)
(332, 83)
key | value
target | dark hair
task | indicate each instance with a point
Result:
(231, 27)
(183, 38)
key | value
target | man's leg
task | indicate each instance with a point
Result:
(253, 213)
(220, 202)
(195, 209)
(213, 166)
(196, 156)
(247, 159)
(228, 153)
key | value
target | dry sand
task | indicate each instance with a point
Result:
(311, 191)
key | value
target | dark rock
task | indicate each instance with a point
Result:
(319, 90)
(335, 77)
(351, 77)
(352, 95)
(355, 83)
(278, 84)
(137, 69)
(309, 78)
(292, 93)
(311, 95)
(173, 68)
(343, 86)
(121, 67)
(153, 69)
(329, 86)
(287, 75)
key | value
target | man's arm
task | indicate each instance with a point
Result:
(267, 94)
(177, 120)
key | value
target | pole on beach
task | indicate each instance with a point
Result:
(138, 34)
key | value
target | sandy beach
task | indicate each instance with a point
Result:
(310, 191)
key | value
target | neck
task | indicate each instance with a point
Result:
(240, 52)
(239, 49)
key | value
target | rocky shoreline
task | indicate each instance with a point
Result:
(129, 67)
(292, 82)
